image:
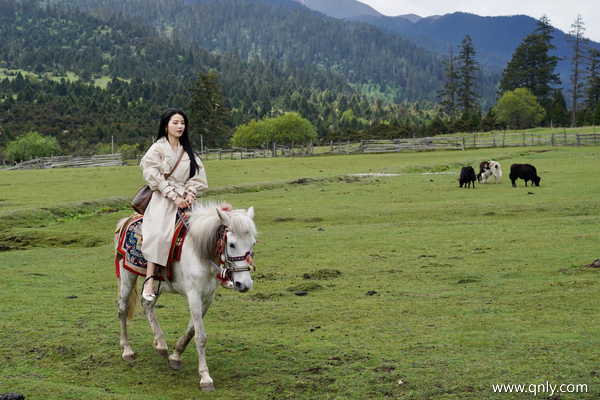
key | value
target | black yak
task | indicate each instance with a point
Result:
(526, 172)
(467, 175)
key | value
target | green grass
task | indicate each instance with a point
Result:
(474, 287)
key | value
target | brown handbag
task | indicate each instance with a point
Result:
(144, 195)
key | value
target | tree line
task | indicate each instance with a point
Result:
(529, 92)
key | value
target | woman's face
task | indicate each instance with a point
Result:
(176, 126)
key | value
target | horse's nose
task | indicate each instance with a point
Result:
(240, 287)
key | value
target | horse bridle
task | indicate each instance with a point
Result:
(227, 262)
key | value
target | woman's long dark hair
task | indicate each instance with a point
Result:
(184, 139)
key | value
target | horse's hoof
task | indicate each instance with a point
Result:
(207, 387)
(163, 353)
(175, 364)
(129, 357)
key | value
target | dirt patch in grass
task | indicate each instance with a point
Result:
(316, 219)
(322, 274)
(468, 280)
(305, 287)
(264, 296)
(303, 181)
(350, 178)
(436, 265)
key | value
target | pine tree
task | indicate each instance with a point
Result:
(592, 90)
(448, 93)
(559, 116)
(466, 85)
(531, 67)
(596, 120)
(207, 111)
(578, 47)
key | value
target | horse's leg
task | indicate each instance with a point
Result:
(159, 337)
(127, 285)
(175, 358)
(197, 310)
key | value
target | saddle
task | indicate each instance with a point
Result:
(129, 247)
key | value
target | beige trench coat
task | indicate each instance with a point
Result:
(159, 219)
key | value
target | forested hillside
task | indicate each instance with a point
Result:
(148, 73)
(379, 61)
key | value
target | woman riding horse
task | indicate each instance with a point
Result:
(171, 154)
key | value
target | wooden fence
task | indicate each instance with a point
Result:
(416, 144)
(496, 139)
(108, 160)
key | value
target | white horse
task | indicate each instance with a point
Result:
(194, 276)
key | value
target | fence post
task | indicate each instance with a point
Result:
(552, 139)
(523, 138)
(348, 148)
(532, 143)
(565, 136)
(577, 135)
(331, 147)
(463, 138)
(219, 154)
(494, 138)
(473, 140)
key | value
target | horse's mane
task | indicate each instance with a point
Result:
(204, 223)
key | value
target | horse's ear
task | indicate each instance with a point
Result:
(226, 219)
(250, 212)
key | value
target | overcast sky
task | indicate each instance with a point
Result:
(562, 13)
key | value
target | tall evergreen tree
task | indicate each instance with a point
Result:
(466, 83)
(448, 92)
(208, 115)
(559, 116)
(592, 90)
(578, 47)
(532, 67)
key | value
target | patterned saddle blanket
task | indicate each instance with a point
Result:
(129, 249)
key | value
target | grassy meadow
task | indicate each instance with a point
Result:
(472, 287)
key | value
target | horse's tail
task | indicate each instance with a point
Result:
(134, 299)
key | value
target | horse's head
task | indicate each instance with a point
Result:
(241, 232)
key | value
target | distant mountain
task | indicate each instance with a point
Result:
(340, 8)
(414, 17)
(495, 38)
(500, 35)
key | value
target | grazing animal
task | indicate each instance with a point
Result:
(467, 175)
(211, 227)
(527, 172)
(488, 169)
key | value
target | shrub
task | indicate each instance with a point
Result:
(32, 145)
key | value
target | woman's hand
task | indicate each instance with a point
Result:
(181, 203)
(189, 199)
